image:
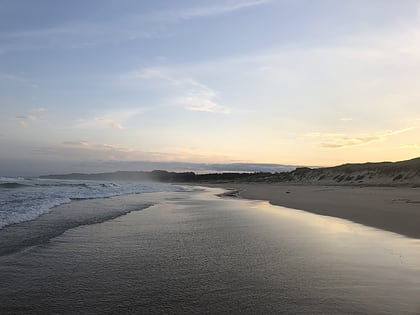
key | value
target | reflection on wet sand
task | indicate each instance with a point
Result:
(194, 252)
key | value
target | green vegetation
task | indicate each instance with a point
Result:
(404, 172)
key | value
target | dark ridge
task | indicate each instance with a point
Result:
(119, 175)
(386, 173)
(11, 185)
(156, 175)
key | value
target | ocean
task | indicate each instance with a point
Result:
(24, 199)
(186, 250)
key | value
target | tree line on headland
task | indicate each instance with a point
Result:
(383, 173)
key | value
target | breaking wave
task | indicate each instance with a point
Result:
(26, 199)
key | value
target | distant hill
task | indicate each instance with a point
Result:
(382, 173)
(156, 175)
(119, 175)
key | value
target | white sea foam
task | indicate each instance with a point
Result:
(26, 199)
(11, 179)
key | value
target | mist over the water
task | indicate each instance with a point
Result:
(26, 199)
(46, 167)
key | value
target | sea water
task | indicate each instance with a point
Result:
(195, 253)
(24, 199)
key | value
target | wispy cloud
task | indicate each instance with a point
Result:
(79, 34)
(201, 98)
(11, 77)
(201, 103)
(349, 142)
(410, 146)
(324, 135)
(92, 150)
(79, 143)
(126, 27)
(33, 115)
(217, 9)
(24, 119)
(98, 122)
(16, 79)
(113, 119)
(27, 117)
(338, 140)
(183, 90)
(97, 146)
(355, 69)
(109, 122)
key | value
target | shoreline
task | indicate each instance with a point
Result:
(193, 252)
(64, 217)
(393, 209)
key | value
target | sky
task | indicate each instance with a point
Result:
(300, 82)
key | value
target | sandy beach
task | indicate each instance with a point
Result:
(394, 209)
(193, 252)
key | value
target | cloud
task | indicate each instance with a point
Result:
(77, 35)
(353, 71)
(396, 132)
(27, 117)
(16, 79)
(109, 122)
(183, 90)
(337, 140)
(410, 146)
(213, 10)
(24, 119)
(112, 118)
(125, 27)
(117, 126)
(89, 145)
(83, 149)
(11, 77)
(80, 143)
(349, 142)
(323, 134)
(98, 122)
(202, 104)
(199, 97)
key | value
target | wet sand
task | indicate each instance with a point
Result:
(394, 209)
(16, 237)
(195, 253)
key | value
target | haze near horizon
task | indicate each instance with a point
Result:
(222, 81)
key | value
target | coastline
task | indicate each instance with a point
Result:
(194, 252)
(64, 217)
(393, 209)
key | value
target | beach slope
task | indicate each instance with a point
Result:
(395, 209)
